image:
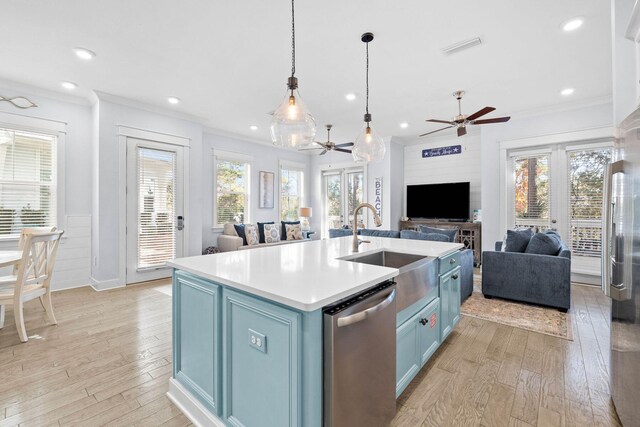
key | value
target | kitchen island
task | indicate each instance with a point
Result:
(248, 326)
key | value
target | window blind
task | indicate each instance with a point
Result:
(156, 207)
(232, 191)
(291, 185)
(586, 170)
(27, 181)
(532, 191)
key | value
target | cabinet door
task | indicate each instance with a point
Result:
(446, 316)
(196, 338)
(407, 353)
(261, 362)
(454, 301)
(429, 330)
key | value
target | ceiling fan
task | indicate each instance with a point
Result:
(328, 145)
(461, 121)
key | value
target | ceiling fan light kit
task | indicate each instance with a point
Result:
(369, 146)
(460, 122)
(292, 124)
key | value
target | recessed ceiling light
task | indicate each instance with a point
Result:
(253, 127)
(568, 91)
(83, 53)
(69, 85)
(573, 24)
(350, 96)
(173, 100)
(404, 125)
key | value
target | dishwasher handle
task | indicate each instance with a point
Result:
(364, 314)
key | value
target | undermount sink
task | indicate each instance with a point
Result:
(418, 273)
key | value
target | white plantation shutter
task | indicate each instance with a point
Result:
(27, 181)
(156, 207)
(531, 191)
(586, 181)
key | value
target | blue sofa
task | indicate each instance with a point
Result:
(527, 277)
(466, 255)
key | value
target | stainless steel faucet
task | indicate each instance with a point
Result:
(376, 218)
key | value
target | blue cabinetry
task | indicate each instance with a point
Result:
(450, 301)
(196, 361)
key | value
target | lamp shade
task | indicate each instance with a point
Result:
(305, 212)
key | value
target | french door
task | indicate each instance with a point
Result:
(561, 187)
(343, 190)
(155, 220)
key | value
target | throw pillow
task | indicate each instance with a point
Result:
(517, 240)
(294, 231)
(380, 233)
(251, 234)
(271, 233)
(449, 232)
(261, 230)
(283, 232)
(418, 235)
(544, 244)
(240, 230)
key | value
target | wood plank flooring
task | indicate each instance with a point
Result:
(108, 362)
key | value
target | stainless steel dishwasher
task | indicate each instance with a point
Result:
(360, 359)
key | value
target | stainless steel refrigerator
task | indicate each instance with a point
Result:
(621, 268)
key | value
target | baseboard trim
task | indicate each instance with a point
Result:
(68, 287)
(103, 285)
(190, 407)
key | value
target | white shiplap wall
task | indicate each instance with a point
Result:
(73, 264)
(454, 168)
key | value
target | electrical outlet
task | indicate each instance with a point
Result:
(258, 341)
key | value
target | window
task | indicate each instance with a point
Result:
(27, 180)
(291, 190)
(232, 178)
(532, 191)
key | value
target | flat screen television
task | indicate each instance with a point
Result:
(438, 201)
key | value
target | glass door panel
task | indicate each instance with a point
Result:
(355, 194)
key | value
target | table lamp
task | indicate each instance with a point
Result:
(305, 214)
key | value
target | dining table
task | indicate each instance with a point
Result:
(7, 259)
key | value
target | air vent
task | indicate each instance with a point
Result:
(465, 44)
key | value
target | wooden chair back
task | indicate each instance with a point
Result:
(23, 238)
(38, 258)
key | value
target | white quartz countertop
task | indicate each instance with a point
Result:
(307, 275)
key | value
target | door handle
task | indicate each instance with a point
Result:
(180, 223)
(362, 315)
(607, 223)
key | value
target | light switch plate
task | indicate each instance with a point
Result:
(258, 341)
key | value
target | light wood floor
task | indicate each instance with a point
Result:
(109, 360)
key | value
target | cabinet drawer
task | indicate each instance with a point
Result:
(449, 262)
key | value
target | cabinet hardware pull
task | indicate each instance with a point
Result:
(454, 277)
(452, 261)
(424, 321)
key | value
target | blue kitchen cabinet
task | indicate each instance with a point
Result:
(449, 301)
(407, 352)
(429, 330)
(196, 359)
(261, 362)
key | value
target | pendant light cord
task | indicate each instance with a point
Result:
(367, 79)
(293, 39)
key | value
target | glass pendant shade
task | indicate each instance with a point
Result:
(292, 125)
(369, 146)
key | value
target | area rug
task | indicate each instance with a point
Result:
(548, 321)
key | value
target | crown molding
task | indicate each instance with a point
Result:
(562, 107)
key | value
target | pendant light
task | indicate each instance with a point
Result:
(369, 146)
(292, 124)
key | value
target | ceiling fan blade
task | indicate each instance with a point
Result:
(310, 148)
(487, 121)
(323, 152)
(429, 133)
(462, 131)
(346, 144)
(439, 121)
(319, 143)
(480, 113)
(342, 150)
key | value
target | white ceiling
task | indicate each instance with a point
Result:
(228, 61)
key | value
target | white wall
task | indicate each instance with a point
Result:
(106, 228)
(263, 158)
(625, 57)
(463, 167)
(549, 123)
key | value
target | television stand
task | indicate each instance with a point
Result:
(469, 233)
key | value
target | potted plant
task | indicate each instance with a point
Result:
(6, 220)
(32, 217)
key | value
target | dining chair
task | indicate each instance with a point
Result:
(33, 277)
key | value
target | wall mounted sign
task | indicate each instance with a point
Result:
(377, 202)
(442, 151)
